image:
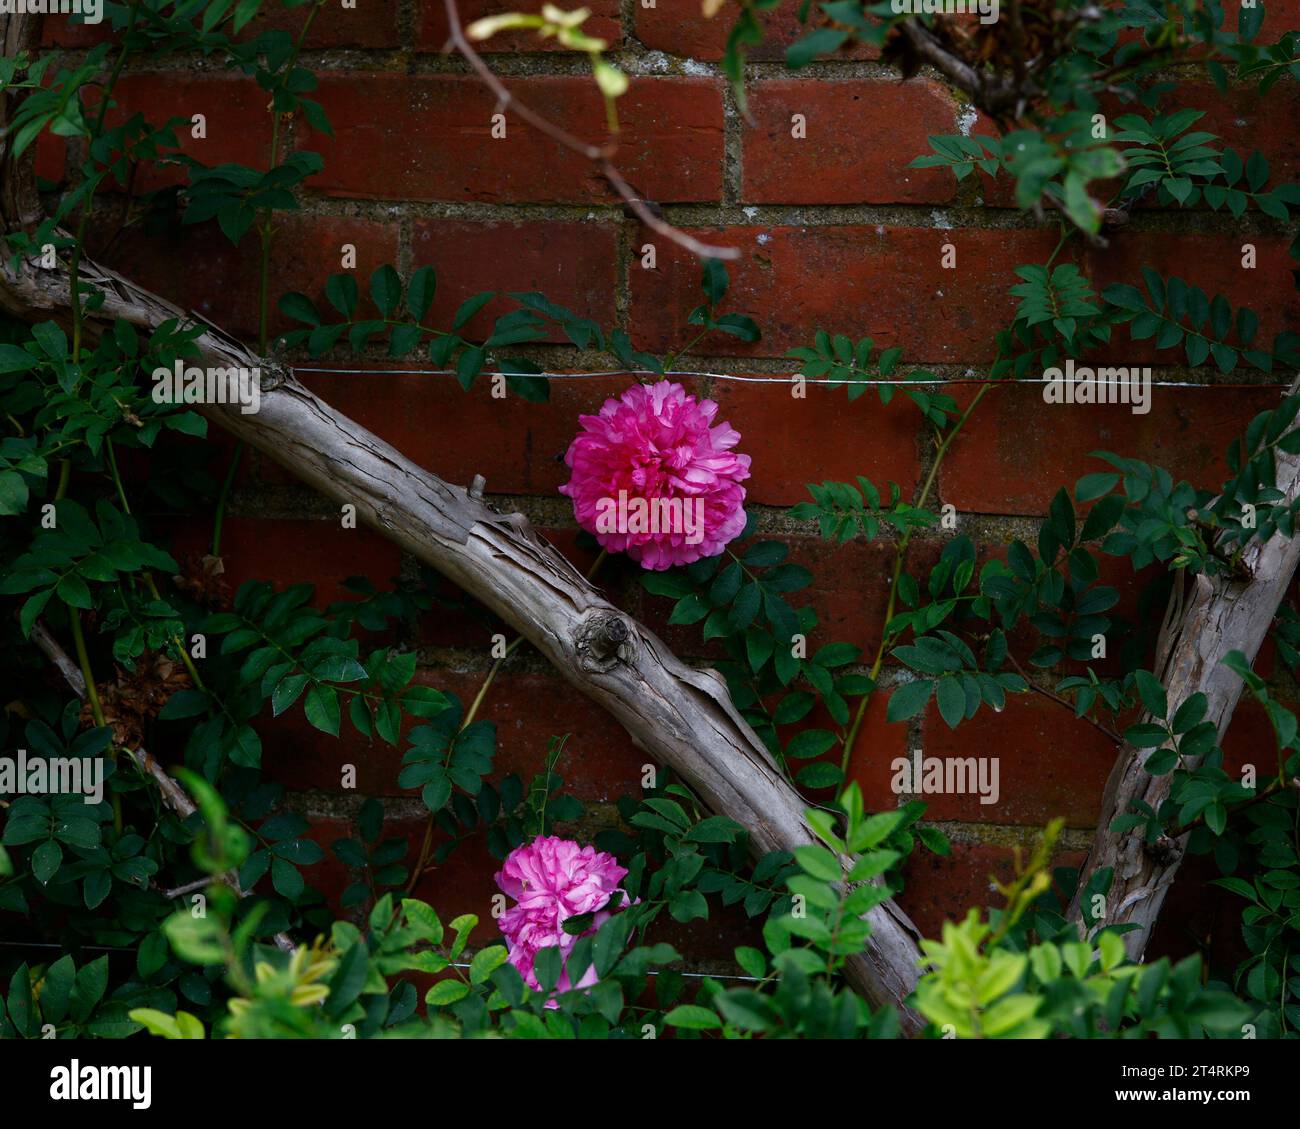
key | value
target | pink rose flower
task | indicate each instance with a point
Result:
(553, 880)
(655, 478)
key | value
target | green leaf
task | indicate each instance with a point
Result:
(446, 992)
(819, 863)
(908, 700)
(692, 1017)
(420, 291)
(470, 307)
(951, 699)
(1152, 694)
(386, 289)
(322, 708)
(46, 860)
(820, 774)
(809, 743)
(485, 962)
(300, 308)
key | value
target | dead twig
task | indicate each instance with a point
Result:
(599, 155)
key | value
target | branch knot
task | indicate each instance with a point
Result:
(602, 641)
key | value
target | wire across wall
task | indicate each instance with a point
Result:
(786, 379)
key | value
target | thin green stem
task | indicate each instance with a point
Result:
(79, 242)
(117, 477)
(426, 846)
(900, 554)
(219, 518)
(65, 476)
(92, 696)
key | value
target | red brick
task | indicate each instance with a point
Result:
(1244, 121)
(1016, 451)
(942, 888)
(295, 550)
(679, 27)
(877, 744)
(861, 135)
(52, 157)
(1049, 763)
(1280, 16)
(461, 884)
(432, 28)
(517, 446)
(882, 282)
(1250, 738)
(60, 31)
(573, 264)
(801, 441)
(599, 763)
(198, 268)
(367, 25)
(429, 138)
(235, 109)
(1212, 262)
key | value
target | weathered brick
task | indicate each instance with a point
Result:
(942, 888)
(517, 446)
(199, 268)
(333, 25)
(429, 138)
(294, 550)
(432, 28)
(882, 282)
(679, 27)
(572, 264)
(1016, 451)
(860, 136)
(235, 109)
(801, 441)
(1049, 763)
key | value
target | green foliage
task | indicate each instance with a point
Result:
(990, 979)
(1175, 313)
(843, 511)
(841, 361)
(83, 544)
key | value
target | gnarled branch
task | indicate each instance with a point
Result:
(680, 716)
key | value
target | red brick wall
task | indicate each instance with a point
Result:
(836, 233)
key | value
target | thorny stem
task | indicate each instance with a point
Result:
(600, 155)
